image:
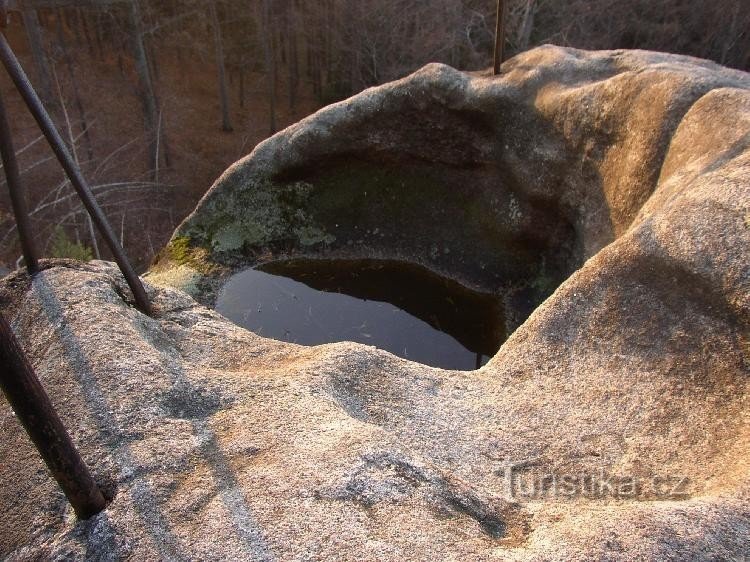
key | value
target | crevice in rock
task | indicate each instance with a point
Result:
(393, 477)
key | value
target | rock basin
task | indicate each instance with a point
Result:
(398, 307)
(612, 187)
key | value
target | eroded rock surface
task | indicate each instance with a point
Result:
(621, 403)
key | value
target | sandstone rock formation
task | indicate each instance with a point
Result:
(622, 401)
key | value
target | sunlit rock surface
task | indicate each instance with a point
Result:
(621, 402)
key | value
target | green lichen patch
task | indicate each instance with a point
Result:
(181, 252)
(256, 217)
(234, 236)
(181, 277)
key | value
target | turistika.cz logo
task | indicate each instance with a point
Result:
(523, 481)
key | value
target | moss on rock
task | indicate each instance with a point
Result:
(181, 277)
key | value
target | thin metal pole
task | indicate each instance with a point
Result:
(499, 36)
(17, 195)
(36, 413)
(24, 87)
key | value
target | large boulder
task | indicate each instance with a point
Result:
(613, 424)
(507, 184)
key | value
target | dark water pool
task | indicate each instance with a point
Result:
(399, 307)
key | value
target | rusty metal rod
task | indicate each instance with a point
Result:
(17, 195)
(24, 87)
(499, 36)
(38, 416)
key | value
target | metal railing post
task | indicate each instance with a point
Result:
(17, 195)
(37, 415)
(30, 97)
(499, 36)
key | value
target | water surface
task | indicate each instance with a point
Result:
(399, 307)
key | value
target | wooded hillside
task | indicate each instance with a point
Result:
(157, 97)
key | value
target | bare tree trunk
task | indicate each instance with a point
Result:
(181, 60)
(730, 36)
(266, 40)
(71, 19)
(315, 69)
(328, 39)
(226, 124)
(76, 94)
(41, 64)
(293, 63)
(92, 234)
(98, 35)
(153, 63)
(500, 36)
(148, 98)
(121, 64)
(82, 17)
(242, 84)
(527, 25)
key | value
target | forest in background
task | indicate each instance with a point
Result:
(157, 97)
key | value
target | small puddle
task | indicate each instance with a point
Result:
(395, 306)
